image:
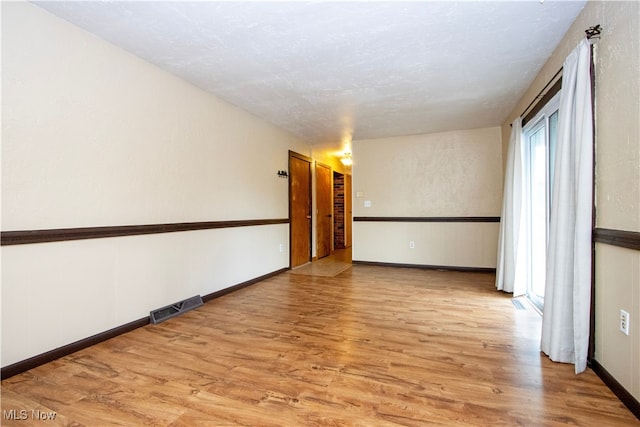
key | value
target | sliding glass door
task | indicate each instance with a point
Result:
(540, 136)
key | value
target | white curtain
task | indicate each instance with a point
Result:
(511, 265)
(567, 301)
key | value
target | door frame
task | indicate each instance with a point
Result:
(319, 215)
(348, 210)
(293, 154)
(345, 219)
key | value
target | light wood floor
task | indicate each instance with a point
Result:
(330, 266)
(372, 346)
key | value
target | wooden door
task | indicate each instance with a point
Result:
(348, 215)
(299, 209)
(324, 203)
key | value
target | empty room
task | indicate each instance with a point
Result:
(220, 213)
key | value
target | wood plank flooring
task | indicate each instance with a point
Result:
(372, 346)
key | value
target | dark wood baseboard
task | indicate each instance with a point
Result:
(429, 267)
(49, 356)
(239, 286)
(625, 397)
(629, 240)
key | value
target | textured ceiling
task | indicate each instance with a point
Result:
(330, 72)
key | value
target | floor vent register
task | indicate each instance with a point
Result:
(518, 304)
(173, 310)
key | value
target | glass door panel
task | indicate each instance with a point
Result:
(538, 185)
(540, 138)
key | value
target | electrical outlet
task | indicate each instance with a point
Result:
(624, 322)
(412, 244)
(281, 247)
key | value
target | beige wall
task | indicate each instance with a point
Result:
(617, 174)
(93, 136)
(450, 174)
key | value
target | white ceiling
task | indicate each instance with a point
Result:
(330, 72)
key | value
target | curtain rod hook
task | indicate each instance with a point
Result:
(593, 32)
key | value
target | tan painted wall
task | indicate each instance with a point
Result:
(617, 174)
(93, 136)
(436, 175)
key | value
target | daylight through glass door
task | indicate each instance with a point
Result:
(540, 139)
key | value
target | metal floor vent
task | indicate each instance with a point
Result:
(518, 304)
(173, 310)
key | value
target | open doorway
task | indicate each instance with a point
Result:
(342, 216)
(324, 218)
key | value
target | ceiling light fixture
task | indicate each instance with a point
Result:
(346, 159)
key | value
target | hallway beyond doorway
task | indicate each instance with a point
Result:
(332, 265)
